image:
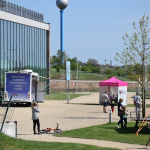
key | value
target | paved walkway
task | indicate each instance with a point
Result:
(69, 116)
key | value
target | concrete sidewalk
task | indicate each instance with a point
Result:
(101, 143)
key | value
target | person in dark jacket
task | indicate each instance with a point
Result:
(35, 111)
(120, 109)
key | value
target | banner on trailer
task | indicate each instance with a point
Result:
(67, 70)
(18, 84)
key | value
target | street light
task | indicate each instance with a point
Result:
(62, 4)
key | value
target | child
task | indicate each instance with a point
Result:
(113, 100)
(125, 114)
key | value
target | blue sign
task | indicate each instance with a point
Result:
(19, 84)
(67, 70)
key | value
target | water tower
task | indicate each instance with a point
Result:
(62, 4)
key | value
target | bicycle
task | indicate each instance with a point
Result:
(48, 130)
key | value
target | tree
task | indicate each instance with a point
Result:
(74, 59)
(108, 71)
(135, 56)
(57, 68)
(120, 72)
(54, 59)
(93, 62)
(62, 55)
(95, 70)
(81, 63)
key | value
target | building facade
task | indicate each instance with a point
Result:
(24, 41)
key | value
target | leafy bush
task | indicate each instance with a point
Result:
(95, 70)
(135, 77)
(58, 68)
(108, 72)
(83, 68)
(73, 66)
(54, 66)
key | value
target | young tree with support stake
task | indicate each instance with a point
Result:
(135, 57)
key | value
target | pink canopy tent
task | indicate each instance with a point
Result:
(113, 82)
(114, 86)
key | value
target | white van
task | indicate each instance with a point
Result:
(25, 87)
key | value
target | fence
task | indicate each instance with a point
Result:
(20, 11)
(6, 113)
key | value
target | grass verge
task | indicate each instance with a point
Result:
(132, 105)
(7, 143)
(63, 96)
(85, 103)
(131, 90)
(110, 132)
(83, 75)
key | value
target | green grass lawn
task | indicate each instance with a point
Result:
(82, 75)
(7, 143)
(64, 92)
(123, 78)
(147, 95)
(85, 103)
(131, 90)
(132, 105)
(110, 132)
(63, 96)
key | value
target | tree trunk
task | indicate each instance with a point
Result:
(144, 103)
(143, 115)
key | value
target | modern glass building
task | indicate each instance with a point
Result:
(24, 41)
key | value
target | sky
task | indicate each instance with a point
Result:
(94, 28)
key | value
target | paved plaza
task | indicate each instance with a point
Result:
(69, 116)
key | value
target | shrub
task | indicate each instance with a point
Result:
(83, 68)
(58, 68)
(95, 70)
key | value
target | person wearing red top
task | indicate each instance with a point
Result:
(113, 101)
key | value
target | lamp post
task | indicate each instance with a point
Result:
(62, 4)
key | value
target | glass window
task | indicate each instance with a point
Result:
(45, 52)
(5, 46)
(12, 46)
(2, 51)
(25, 47)
(9, 44)
(18, 47)
(21, 47)
(23, 52)
(39, 49)
(15, 48)
(28, 46)
(35, 48)
(31, 54)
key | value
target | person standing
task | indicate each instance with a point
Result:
(35, 111)
(120, 109)
(116, 98)
(105, 100)
(113, 102)
(137, 102)
(125, 114)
